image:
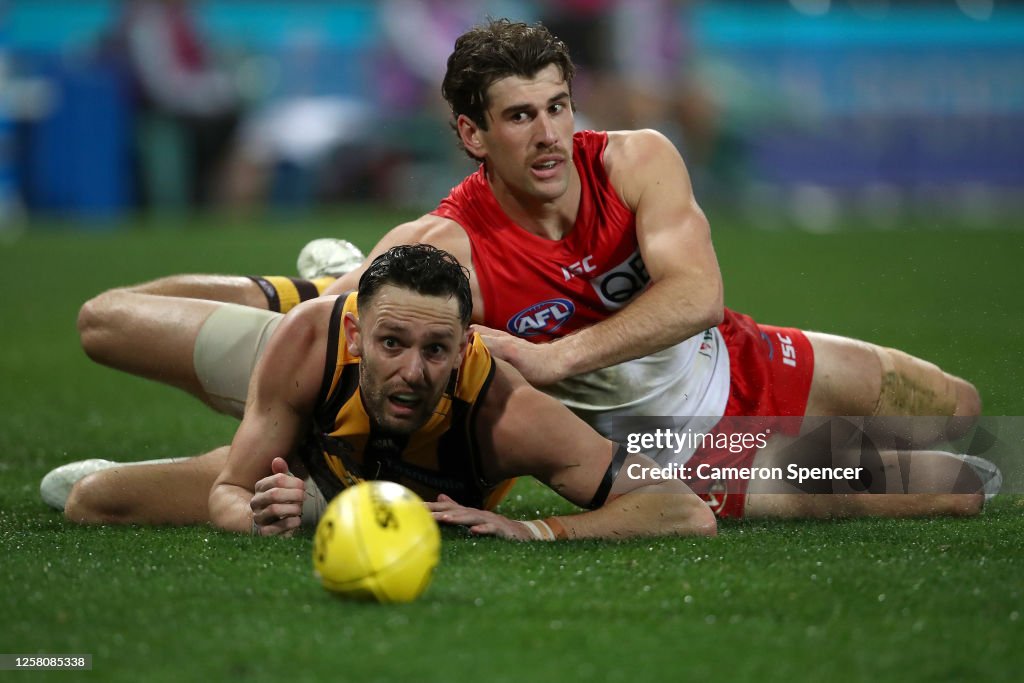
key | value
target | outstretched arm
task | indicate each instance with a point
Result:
(522, 431)
(665, 508)
(685, 295)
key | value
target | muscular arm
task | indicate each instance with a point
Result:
(281, 397)
(524, 432)
(685, 295)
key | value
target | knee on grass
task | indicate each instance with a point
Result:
(968, 409)
(93, 332)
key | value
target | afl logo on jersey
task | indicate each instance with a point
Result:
(541, 318)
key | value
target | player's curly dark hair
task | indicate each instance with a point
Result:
(424, 269)
(498, 49)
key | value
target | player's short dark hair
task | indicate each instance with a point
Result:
(424, 269)
(496, 50)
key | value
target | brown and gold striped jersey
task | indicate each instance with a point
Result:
(345, 447)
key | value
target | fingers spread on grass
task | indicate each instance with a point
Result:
(443, 503)
(463, 515)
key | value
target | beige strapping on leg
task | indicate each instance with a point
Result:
(227, 347)
(911, 386)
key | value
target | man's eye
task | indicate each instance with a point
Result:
(390, 343)
(557, 108)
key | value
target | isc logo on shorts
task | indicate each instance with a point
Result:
(788, 350)
(618, 286)
(785, 344)
(541, 318)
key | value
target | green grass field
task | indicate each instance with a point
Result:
(930, 600)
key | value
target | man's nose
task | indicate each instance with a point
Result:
(546, 133)
(413, 370)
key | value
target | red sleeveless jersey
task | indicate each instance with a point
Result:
(542, 289)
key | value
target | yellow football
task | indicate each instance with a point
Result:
(376, 541)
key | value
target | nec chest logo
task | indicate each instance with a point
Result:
(541, 318)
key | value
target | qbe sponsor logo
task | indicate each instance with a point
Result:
(543, 317)
(618, 286)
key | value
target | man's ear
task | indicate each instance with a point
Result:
(467, 338)
(353, 335)
(469, 133)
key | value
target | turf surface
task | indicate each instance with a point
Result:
(929, 600)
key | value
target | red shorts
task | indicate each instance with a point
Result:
(770, 372)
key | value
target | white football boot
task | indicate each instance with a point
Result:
(987, 471)
(328, 256)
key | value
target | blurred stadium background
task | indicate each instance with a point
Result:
(810, 114)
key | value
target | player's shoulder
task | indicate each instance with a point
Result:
(637, 159)
(293, 363)
(634, 147)
(315, 307)
(432, 225)
(309, 319)
(432, 229)
(505, 382)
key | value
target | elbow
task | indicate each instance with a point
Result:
(225, 512)
(680, 511)
(688, 515)
(714, 309)
(714, 313)
(714, 316)
(709, 526)
(700, 520)
(218, 518)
